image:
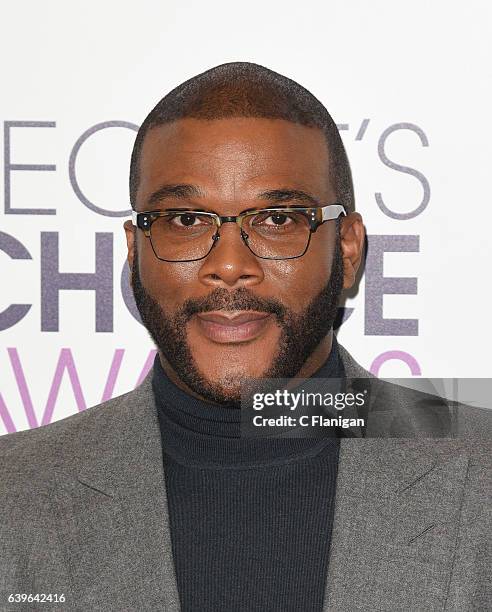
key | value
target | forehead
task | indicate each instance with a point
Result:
(235, 157)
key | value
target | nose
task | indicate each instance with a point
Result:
(230, 264)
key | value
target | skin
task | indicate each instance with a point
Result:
(232, 161)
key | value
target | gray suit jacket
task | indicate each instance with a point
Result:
(84, 513)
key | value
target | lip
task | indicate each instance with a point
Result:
(231, 327)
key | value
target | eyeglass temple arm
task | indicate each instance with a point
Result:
(332, 211)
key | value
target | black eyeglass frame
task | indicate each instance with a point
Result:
(317, 215)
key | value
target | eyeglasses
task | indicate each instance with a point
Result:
(182, 235)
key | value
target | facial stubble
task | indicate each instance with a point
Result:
(300, 334)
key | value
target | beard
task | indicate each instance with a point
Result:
(300, 334)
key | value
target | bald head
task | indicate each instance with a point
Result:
(242, 89)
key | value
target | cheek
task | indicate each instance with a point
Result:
(170, 284)
(296, 282)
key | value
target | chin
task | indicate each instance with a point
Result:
(223, 391)
(228, 386)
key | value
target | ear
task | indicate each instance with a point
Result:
(352, 233)
(130, 241)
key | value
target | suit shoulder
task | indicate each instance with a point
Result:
(46, 446)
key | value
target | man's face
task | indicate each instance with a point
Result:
(232, 315)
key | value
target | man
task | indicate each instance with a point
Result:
(243, 236)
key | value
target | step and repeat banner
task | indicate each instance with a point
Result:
(410, 92)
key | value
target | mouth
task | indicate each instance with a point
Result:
(226, 327)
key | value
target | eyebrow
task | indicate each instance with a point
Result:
(185, 191)
(178, 191)
(286, 195)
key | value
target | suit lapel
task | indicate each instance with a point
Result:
(112, 512)
(395, 527)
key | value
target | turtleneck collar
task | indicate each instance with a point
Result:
(205, 434)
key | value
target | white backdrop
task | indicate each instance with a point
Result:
(409, 87)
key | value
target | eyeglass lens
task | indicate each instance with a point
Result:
(189, 235)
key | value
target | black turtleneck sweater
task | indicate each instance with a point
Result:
(250, 518)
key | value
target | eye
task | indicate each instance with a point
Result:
(278, 219)
(273, 219)
(189, 219)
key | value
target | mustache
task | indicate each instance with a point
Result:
(238, 299)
